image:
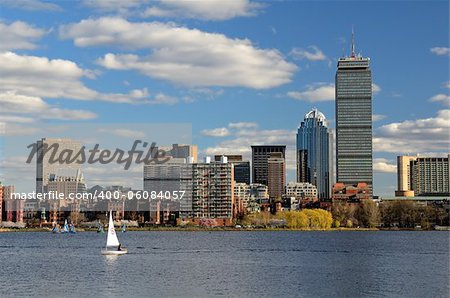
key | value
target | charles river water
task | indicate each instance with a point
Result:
(228, 264)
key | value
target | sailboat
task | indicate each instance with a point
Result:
(72, 229)
(55, 229)
(113, 246)
(66, 228)
(100, 228)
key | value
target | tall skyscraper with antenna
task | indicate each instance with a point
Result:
(354, 119)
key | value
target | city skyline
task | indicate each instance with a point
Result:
(55, 68)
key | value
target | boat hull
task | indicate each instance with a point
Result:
(114, 252)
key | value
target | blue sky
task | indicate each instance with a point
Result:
(242, 72)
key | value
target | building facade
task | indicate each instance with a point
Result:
(423, 176)
(301, 190)
(260, 156)
(173, 176)
(241, 167)
(354, 120)
(45, 167)
(315, 153)
(276, 175)
(208, 190)
(183, 151)
(353, 193)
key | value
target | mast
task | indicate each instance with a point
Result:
(353, 55)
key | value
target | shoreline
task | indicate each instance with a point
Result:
(219, 229)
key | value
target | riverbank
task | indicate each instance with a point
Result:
(217, 229)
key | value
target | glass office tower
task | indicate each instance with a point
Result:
(314, 153)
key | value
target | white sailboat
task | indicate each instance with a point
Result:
(113, 246)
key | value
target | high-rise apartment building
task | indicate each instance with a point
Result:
(423, 176)
(314, 153)
(276, 175)
(241, 167)
(181, 151)
(172, 177)
(208, 188)
(260, 156)
(45, 166)
(354, 120)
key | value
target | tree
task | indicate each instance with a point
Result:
(368, 214)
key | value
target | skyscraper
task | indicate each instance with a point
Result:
(260, 155)
(276, 175)
(45, 167)
(314, 153)
(241, 168)
(354, 120)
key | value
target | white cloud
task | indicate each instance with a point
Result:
(181, 55)
(440, 51)
(384, 166)
(375, 88)
(244, 136)
(161, 98)
(120, 6)
(242, 125)
(378, 117)
(446, 85)
(13, 103)
(18, 35)
(314, 93)
(123, 133)
(442, 98)
(314, 55)
(32, 5)
(217, 10)
(15, 119)
(216, 132)
(319, 92)
(55, 78)
(420, 135)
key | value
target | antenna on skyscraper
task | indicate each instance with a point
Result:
(353, 43)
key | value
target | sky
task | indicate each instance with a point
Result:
(240, 72)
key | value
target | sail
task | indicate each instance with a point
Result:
(112, 239)
(66, 226)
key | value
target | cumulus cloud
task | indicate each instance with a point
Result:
(245, 134)
(181, 55)
(13, 103)
(163, 99)
(314, 93)
(442, 98)
(216, 132)
(440, 51)
(54, 78)
(18, 35)
(315, 54)
(319, 92)
(216, 10)
(119, 6)
(420, 135)
(32, 5)
(242, 125)
(384, 166)
(375, 88)
(128, 133)
(378, 117)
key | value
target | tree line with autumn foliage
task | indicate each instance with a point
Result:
(366, 214)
